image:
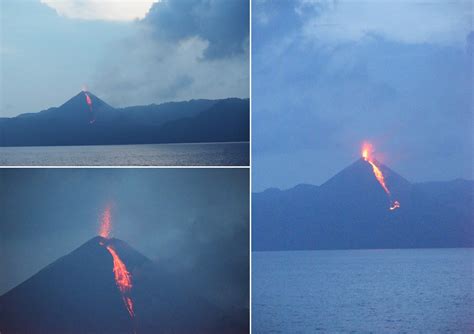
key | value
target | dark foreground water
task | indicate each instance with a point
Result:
(200, 154)
(363, 291)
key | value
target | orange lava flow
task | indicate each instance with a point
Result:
(88, 100)
(367, 150)
(105, 222)
(89, 103)
(123, 279)
(379, 176)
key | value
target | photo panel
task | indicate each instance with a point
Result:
(124, 250)
(125, 83)
(362, 167)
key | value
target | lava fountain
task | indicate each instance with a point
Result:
(105, 222)
(122, 276)
(367, 150)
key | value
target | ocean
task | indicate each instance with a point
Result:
(195, 154)
(363, 291)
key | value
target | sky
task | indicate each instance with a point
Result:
(125, 52)
(182, 219)
(327, 75)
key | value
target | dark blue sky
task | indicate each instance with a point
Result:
(328, 75)
(179, 218)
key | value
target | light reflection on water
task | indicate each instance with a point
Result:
(199, 154)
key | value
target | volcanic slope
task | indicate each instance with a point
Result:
(78, 294)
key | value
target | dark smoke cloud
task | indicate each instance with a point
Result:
(181, 50)
(225, 24)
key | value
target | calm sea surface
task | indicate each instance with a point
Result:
(363, 291)
(201, 154)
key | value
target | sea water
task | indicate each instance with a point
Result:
(363, 291)
(199, 154)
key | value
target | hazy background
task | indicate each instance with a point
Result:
(329, 74)
(125, 52)
(182, 219)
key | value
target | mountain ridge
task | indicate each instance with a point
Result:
(351, 211)
(76, 123)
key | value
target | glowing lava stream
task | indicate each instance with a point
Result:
(89, 103)
(366, 154)
(123, 278)
(88, 100)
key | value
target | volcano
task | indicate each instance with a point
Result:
(85, 119)
(357, 187)
(79, 104)
(351, 211)
(75, 294)
(79, 294)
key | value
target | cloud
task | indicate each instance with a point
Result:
(401, 21)
(181, 50)
(224, 24)
(108, 10)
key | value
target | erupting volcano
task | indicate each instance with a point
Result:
(86, 291)
(94, 289)
(123, 278)
(351, 211)
(367, 154)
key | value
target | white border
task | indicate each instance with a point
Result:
(124, 167)
(250, 167)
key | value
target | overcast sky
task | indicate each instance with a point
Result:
(328, 75)
(179, 218)
(125, 52)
